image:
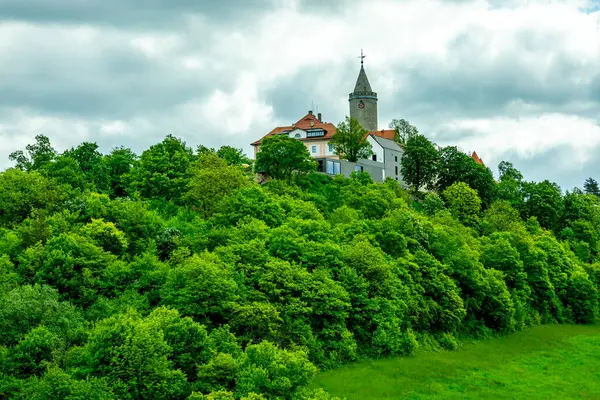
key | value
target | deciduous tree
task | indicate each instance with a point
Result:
(118, 164)
(404, 130)
(349, 141)
(212, 179)
(35, 155)
(456, 166)
(544, 201)
(419, 162)
(463, 203)
(163, 170)
(232, 155)
(510, 187)
(22, 192)
(280, 157)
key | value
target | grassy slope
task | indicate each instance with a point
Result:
(546, 362)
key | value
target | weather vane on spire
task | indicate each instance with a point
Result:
(362, 56)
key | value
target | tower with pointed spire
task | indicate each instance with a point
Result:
(363, 101)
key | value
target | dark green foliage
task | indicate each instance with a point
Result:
(202, 288)
(91, 163)
(211, 180)
(22, 192)
(233, 156)
(251, 202)
(118, 164)
(34, 352)
(419, 162)
(263, 368)
(36, 155)
(28, 307)
(162, 170)
(463, 203)
(280, 157)
(349, 140)
(433, 204)
(66, 171)
(544, 201)
(455, 166)
(591, 187)
(404, 130)
(510, 186)
(177, 277)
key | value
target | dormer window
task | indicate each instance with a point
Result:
(315, 133)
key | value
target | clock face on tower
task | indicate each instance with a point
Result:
(361, 104)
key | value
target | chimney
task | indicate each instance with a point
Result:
(309, 112)
(319, 117)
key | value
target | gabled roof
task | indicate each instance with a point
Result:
(386, 143)
(309, 121)
(304, 123)
(388, 134)
(475, 157)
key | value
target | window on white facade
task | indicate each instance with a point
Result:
(329, 167)
(314, 150)
(298, 136)
(374, 157)
(358, 168)
(333, 167)
(330, 148)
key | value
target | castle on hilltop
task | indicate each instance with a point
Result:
(316, 134)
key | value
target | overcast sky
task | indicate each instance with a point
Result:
(513, 80)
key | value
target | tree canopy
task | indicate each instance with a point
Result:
(403, 130)
(591, 187)
(183, 278)
(349, 141)
(35, 155)
(419, 162)
(162, 171)
(281, 157)
(455, 166)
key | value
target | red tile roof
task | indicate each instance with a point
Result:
(330, 129)
(389, 134)
(304, 123)
(475, 157)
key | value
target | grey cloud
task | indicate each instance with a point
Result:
(94, 91)
(471, 84)
(291, 97)
(105, 78)
(153, 14)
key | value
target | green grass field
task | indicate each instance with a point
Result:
(546, 362)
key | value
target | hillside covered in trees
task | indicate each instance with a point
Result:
(174, 275)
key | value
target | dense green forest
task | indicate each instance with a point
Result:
(174, 275)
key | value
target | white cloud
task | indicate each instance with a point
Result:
(578, 139)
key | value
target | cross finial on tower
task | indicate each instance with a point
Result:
(362, 56)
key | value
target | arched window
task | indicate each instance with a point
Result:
(298, 136)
